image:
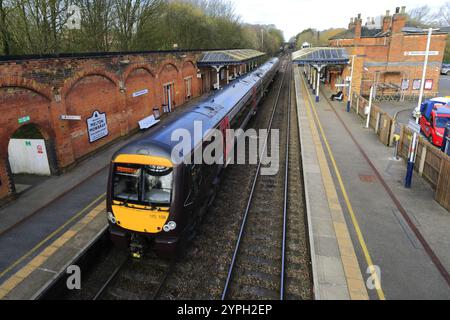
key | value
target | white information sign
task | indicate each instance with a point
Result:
(148, 122)
(140, 93)
(97, 126)
(414, 126)
(421, 53)
(67, 117)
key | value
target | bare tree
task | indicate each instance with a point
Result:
(130, 18)
(444, 14)
(4, 29)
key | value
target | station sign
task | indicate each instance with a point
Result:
(97, 126)
(73, 118)
(341, 85)
(415, 127)
(24, 119)
(140, 93)
(421, 53)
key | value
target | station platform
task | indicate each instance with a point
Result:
(370, 237)
(50, 224)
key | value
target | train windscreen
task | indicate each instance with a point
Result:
(143, 185)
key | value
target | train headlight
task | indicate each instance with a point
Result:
(111, 218)
(172, 225)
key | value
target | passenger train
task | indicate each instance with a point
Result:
(155, 202)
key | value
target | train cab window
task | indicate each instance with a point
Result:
(145, 185)
(126, 183)
(157, 188)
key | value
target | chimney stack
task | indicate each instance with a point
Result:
(387, 20)
(351, 24)
(358, 25)
(398, 20)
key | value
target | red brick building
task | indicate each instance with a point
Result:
(386, 54)
(125, 88)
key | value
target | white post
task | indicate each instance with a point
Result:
(314, 79)
(370, 107)
(228, 75)
(412, 156)
(349, 102)
(318, 83)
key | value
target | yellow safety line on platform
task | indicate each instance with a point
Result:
(49, 250)
(356, 226)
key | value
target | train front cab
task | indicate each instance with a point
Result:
(142, 204)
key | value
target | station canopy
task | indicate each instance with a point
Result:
(321, 56)
(228, 57)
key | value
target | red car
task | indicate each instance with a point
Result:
(435, 117)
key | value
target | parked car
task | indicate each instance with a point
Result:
(445, 69)
(435, 117)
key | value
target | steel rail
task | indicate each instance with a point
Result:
(250, 199)
(110, 279)
(286, 187)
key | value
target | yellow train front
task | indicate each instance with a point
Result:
(156, 202)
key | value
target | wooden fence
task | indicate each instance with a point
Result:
(431, 163)
(382, 123)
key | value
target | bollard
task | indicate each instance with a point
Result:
(396, 140)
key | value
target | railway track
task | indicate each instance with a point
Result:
(265, 247)
(136, 280)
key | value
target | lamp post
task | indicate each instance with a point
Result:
(349, 101)
(372, 89)
(412, 154)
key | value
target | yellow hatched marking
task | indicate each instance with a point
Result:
(40, 259)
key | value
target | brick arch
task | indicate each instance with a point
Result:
(69, 84)
(135, 67)
(48, 135)
(173, 64)
(188, 64)
(20, 82)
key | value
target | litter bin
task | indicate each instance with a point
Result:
(156, 113)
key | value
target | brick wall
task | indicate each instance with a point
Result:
(386, 56)
(45, 89)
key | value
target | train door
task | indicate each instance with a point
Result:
(254, 100)
(169, 96)
(227, 139)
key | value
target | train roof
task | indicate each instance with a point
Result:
(209, 112)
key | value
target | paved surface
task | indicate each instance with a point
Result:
(444, 86)
(369, 190)
(403, 110)
(336, 273)
(34, 277)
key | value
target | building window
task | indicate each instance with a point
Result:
(416, 84)
(188, 86)
(405, 84)
(428, 84)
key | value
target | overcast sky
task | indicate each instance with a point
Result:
(293, 16)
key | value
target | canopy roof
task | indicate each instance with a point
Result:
(228, 57)
(321, 55)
